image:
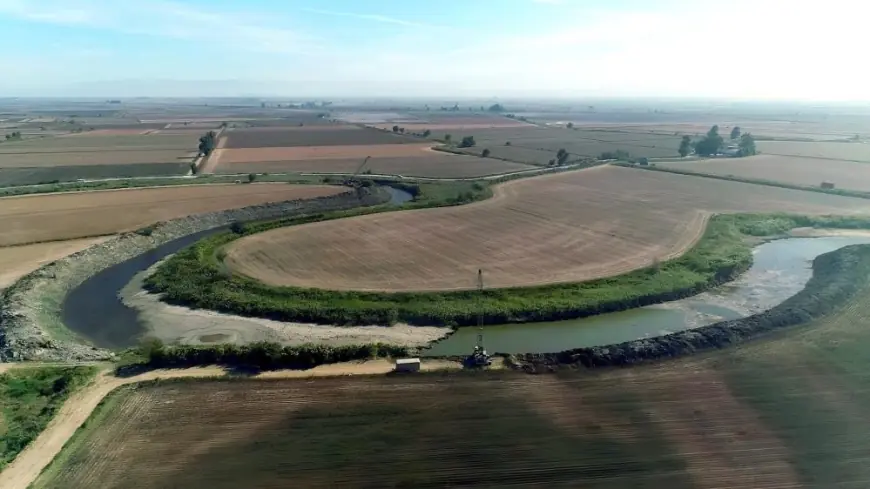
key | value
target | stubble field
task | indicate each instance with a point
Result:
(429, 164)
(54, 217)
(17, 261)
(793, 170)
(859, 152)
(565, 227)
(337, 135)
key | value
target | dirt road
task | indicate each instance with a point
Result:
(76, 410)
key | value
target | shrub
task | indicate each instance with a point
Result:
(238, 227)
(252, 177)
(485, 153)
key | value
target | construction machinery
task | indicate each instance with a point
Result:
(479, 358)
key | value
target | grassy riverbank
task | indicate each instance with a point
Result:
(29, 398)
(196, 277)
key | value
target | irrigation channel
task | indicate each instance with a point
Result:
(94, 310)
(780, 270)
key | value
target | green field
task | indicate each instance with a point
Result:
(29, 398)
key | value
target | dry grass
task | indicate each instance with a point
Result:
(35, 218)
(565, 227)
(809, 172)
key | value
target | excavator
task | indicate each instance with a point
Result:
(479, 358)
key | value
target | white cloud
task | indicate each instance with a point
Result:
(372, 17)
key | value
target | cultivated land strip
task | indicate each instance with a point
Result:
(568, 227)
(27, 466)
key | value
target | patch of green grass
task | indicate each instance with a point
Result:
(29, 398)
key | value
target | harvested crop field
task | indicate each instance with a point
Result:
(44, 174)
(792, 170)
(53, 217)
(103, 143)
(828, 151)
(88, 158)
(564, 227)
(17, 261)
(430, 164)
(303, 153)
(311, 136)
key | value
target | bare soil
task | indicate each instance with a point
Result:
(18, 261)
(308, 153)
(175, 324)
(315, 136)
(810, 172)
(53, 217)
(429, 164)
(564, 227)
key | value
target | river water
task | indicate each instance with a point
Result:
(780, 270)
(95, 311)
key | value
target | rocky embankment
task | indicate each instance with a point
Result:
(30, 324)
(837, 277)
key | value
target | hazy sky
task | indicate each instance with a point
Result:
(562, 48)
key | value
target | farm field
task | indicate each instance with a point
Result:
(430, 164)
(827, 151)
(55, 217)
(810, 172)
(311, 136)
(88, 142)
(17, 261)
(548, 140)
(566, 227)
(42, 174)
(308, 153)
(90, 158)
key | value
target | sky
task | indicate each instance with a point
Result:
(737, 49)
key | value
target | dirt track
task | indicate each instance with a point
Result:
(33, 459)
(564, 227)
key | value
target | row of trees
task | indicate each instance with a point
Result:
(207, 143)
(14, 136)
(713, 143)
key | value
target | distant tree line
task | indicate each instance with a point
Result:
(14, 136)
(713, 143)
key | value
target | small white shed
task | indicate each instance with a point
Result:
(408, 365)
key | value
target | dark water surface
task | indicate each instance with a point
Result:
(94, 310)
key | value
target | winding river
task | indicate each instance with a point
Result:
(94, 311)
(780, 270)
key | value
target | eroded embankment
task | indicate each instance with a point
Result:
(837, 277)
(30, 325)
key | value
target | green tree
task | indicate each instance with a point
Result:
(561, 156)
(467, 142)
(508, 143)
(485, 153)
(735, 133)
(496, 108)
(395, 128)
(447, 138)
(252, 177)
(207, 143)
(552, 162)
(747, 145)
(427, 133)
(685, 146)
(711, 144)
(570, 125)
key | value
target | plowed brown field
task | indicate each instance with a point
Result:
(454, 431)
(810, 172)
(51, 217)
(564, 227)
